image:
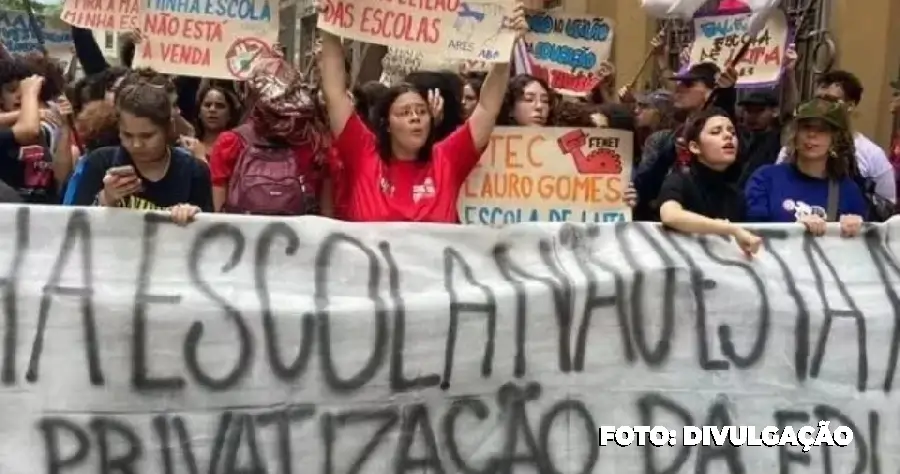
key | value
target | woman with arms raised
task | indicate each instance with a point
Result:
(396, 172)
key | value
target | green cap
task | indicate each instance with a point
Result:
(832, 113)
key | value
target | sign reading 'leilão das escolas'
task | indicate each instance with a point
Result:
(242, 344)
(446, 29)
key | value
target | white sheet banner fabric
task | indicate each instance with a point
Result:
(240, 344)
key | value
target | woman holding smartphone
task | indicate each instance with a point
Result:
(144, 172)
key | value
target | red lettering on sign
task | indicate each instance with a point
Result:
(90, 20)
(429, 5)
(398, 25)
(202, 30)
(188, 55)
(579, 82)
(339, 13)
(162, 24)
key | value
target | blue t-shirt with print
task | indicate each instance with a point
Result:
(781, 193)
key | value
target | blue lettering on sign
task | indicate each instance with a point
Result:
(607, 216)
(489, 54)
(576, 28)
(560, 215)
(234, 9)
(726, 27)
(590, 30)
(16, 34)
(541, 23)
(575, 58)
(499, 215)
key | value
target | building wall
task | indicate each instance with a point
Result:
(867, 34)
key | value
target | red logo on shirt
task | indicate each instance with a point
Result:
(38, 171)
(600, 160)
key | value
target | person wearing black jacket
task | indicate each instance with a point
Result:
(698, 85)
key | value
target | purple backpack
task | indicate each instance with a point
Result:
(267, 180)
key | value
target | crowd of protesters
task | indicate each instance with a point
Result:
(277, 144)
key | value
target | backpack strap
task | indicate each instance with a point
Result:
(834, 194)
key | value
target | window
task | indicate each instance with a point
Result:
(109, 40)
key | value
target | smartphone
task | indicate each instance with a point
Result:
(126, 170)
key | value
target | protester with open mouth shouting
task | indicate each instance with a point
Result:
(399, 172)
(704, 199)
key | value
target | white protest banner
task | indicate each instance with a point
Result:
(548, 174)
(718, 37)
(206, 38)
(566, 50)
(17, 37)
(448, 29)
(242, 344)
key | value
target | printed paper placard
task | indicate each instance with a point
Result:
(543, 174)
(566, 50)
(717, 38)
(449, 29)
(115, 15)
(207, 38)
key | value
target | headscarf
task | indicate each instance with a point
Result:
(284, 107)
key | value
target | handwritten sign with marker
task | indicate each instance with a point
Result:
(115, 15)
(549, 175)
(311, 346)
(717, 38)
(450, 29)
(17, 37)
(206, 38)
(566, 50)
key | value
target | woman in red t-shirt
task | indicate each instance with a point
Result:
(397, 172)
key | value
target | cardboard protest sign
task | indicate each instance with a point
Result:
(115, 15)
(17, 37)
(566, 50)
(449, 29)
(398, 62)
(207, 38)
(303, 345)
(544, 174)
(717, 38)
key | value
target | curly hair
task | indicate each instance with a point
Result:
(146, 101)
(450, 86)
(569, 113)
(149, 76)
(12, 70)
(54, 80)
(381, 119)
(95, 86)
(97, 124)
(841, 158)
(516, 91)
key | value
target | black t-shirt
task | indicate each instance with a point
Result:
(29, 169)
(187, 181)
(704, 191)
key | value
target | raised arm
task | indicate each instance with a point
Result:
(333, 75)
(484, 117)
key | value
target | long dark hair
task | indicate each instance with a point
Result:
(516, 91)
(234, 107)
(365, 97)
(450, 86)
(381, 122)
